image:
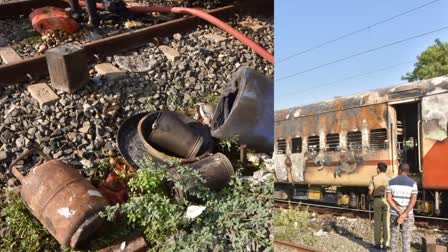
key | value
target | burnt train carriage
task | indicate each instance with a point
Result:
(328, 151)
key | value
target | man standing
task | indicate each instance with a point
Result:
(401, 194)
(377, 189)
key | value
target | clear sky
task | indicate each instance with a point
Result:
(300, 25)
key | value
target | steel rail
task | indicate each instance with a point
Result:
(36, 67)
(350, 209)
(278, 244)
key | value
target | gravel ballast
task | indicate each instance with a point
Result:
(330, 233)
(80, 127)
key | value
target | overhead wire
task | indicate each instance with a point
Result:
(326, 84)
(360, 53)
(355, 32)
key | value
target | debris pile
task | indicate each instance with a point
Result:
(184, 74)
(177, 143)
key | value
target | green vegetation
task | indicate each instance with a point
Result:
(292, 224)
(430, 63)
(20, 231)
(234, 218)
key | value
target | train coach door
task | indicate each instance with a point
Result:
(406, 145)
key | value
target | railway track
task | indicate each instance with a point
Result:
(420, 220)
(36, 67)
(289, 246)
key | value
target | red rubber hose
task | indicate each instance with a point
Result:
(204, 15)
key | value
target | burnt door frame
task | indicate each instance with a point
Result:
(393, 123)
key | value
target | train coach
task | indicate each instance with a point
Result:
(328, 151)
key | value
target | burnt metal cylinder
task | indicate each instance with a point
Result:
(144, 129)
(216, 170)
(246, 110)
(63, 200)
(172, 135)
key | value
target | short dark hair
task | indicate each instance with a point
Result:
(404, 167)
(382, 167)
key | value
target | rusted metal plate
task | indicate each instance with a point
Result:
(36, 67)
(16, 8)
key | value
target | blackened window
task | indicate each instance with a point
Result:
(354, 140)
(313, 144)
(378, 139)
(296, 143)
(281, 146)
(332, 142)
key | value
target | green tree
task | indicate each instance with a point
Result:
(432, 62)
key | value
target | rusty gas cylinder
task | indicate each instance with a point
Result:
(63, 200)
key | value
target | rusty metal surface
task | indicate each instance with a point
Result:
(36, 67)
(144, 129)
(341, 167)
(62, 200)
(216, 170)
(245, 111)
(405, 91)
(363, 113)
(128, 141)
(172, 135)
(16, 8)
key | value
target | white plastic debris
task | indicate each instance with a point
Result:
(122, 246)
(320, 233)
(194, 211)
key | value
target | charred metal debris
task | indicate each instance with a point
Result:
(65, 202)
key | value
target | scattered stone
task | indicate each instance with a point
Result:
(131, 63)
(171, 53)
(109, 71)
(252, 25)
(85, 127)
(215, 37)
(177, 36)
(20, 142)
(87, 163)
(3, 155)
(42, 93)
(57, 155)
(8, 55)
